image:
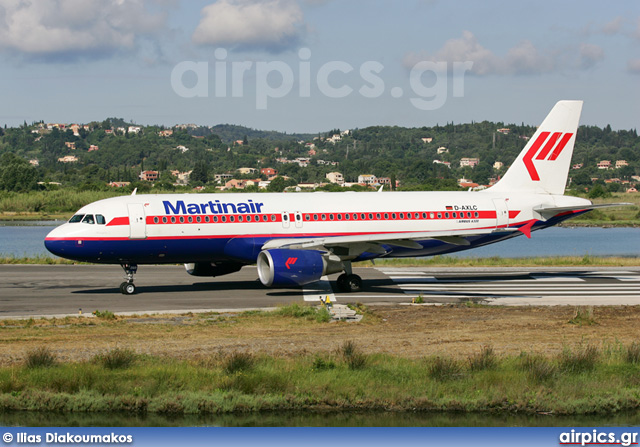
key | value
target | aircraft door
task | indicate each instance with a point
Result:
(502, 213)
(286, 219)
(137, 224)
(298, 218)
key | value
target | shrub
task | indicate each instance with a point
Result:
(632, 354)
(238, 361)
(583, 316)
(297, 310)
(118, 358)
(104, 314)
(584, 358)
(538, 368)
(320, 364)
(485, 359)
(41, 357)
(444, 368)
(352, 355)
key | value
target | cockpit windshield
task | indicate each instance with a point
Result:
(88, 219)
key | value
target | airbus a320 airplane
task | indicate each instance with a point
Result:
(295, 239)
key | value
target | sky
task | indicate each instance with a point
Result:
(316, 65)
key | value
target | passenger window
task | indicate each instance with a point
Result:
(88, 219)
(77, 218)
(100, 220)
(156, 220)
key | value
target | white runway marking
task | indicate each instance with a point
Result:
(521, 288)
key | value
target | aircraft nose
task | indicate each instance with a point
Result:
(54, 242)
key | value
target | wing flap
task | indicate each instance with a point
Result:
(404, 240)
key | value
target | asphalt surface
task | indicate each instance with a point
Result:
(57, 290)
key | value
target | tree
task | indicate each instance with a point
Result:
(278, 184)
(200, 173)
(17, 174)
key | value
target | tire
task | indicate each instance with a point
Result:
(122, 288)
(342, 282)
(353, 283)
(349, 283)
(129, 288)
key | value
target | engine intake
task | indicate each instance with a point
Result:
(286, 268)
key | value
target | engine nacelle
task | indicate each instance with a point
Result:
(212, 269)
(283, 267)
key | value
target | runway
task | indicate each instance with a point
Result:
(59, 290)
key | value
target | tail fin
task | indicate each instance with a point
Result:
(543, 164)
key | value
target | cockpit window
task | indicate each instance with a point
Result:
(88, 219)
(100, 220)
(77, 218)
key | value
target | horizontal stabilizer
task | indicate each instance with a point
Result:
(562, 209)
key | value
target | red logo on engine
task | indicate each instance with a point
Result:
(290, 261)
(542, 155)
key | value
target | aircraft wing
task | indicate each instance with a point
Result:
(552, 211)
(353, 246)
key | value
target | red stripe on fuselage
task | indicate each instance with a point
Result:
(118, 221)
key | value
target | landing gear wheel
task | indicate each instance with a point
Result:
(342, 282)
(349, 283)
(127, 288)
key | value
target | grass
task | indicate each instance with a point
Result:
(41, 357)
(580, 359)
(583, 317)
(261, 362)
(250, 383)
(352, 355)
(117, 358)
(485, 359)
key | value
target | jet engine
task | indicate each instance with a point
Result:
(285, 268)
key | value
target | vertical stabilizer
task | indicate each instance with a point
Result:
(543, 165)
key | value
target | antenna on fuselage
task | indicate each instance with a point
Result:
(134, 191)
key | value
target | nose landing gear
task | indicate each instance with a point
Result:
(127, 287)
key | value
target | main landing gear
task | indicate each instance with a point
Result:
(127, 287)
(348, 282)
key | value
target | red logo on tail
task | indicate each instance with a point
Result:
(290, 261)
(542, 155)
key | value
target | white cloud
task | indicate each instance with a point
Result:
(265, 24)
(633, 66)
(523, 58)
(590, 55)
(614, 26)
(74, 28)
